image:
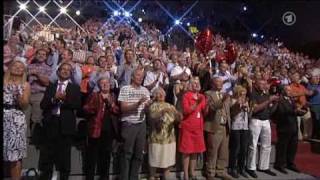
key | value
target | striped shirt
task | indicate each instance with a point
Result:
(132, 95)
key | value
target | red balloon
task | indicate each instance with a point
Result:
(204, 41)
(220, 57)
(230, 53)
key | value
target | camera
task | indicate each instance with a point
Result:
(275, 86)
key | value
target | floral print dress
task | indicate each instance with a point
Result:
(14, 125)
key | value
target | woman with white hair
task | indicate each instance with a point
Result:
(162, 141)
(102, 110)
(16, 94)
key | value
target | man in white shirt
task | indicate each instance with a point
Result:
(156, 78)
(134, 99)
(59, 103)
(173, 63)
(180, 72)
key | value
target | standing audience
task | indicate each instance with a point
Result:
(103, 110)
(134, 99)
(16, 94)
(191, 139)
(139, 65)
(61, 100)
(162, 118)
(217, 127)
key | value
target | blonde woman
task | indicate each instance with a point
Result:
(239, 134)
(191, 137)
(162, 141)
(16, 94)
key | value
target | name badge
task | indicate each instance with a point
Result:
(198, 115)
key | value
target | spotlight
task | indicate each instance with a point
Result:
(188, 24)
(176, 22)
(23, 6)
(126, 14)
(116, 13)
(139, 19)
(245, 8)
(78, 12)
(254, 35)
(42, 9)
(143, 11)
(63, 10)
(262, 36)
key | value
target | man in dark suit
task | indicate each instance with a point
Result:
(287, 132)
(217, 124)
(59, 104)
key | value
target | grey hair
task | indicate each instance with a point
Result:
(102, 78)
(135, 70)
(157, 91)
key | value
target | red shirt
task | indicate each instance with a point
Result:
(192, 120)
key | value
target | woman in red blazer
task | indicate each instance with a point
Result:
(102, 110)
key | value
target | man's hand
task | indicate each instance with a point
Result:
(60, 96)
(274, 98)
(142, 100)
(226, 96)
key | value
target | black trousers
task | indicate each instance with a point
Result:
(98, 153)
(238, 148)
(56, 151)
(286, 148)
(134, 137)
(315, 114)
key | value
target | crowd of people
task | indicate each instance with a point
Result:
(132, 88)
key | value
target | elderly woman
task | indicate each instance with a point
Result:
(191, 140)
(102, 109)
(240, 133)
(162, 140)
(16, 94)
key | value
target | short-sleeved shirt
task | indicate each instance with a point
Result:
(258, 97)
(152, 76)
(178, 70)
(132, 95)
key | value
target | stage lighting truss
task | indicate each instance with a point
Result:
(177, 21)
(22, 7)
(64, 11)
(127, 14)
(42, 9)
